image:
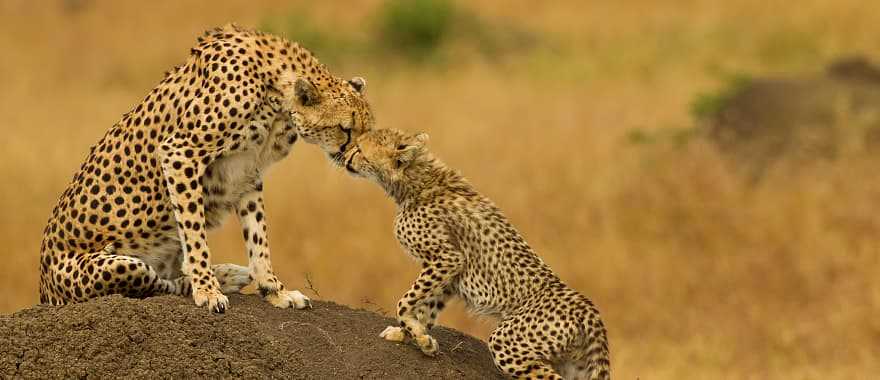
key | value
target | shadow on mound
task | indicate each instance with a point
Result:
(168, 337)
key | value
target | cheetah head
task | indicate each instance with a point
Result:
(330, 112)
(384, 155)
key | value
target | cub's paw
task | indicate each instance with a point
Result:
(213, 298)
(427, 344)
(393, 333)
(288, 298)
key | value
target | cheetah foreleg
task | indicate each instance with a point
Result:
(431, 283)
(426, 315)
(181, 177)
(429, 310)
(252, 216)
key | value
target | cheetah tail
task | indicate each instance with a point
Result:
(598, 359)
(593, 363)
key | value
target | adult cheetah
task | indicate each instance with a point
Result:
(134, 218)
(467, 247)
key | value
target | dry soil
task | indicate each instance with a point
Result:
(169, 337)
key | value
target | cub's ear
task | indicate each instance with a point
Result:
(359, 84)
(420, 139)
(305, 92)
(406, 156)
(408, 152)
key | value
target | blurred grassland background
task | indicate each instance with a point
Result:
(580, 119)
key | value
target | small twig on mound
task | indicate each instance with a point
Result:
(310, 285)
(457, 346)
(374, 307)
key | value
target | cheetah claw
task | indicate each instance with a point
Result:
(215, 300)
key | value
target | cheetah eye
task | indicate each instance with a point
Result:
(401, 147)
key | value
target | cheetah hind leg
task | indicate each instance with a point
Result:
(514, 356)
(132, 277)
(129, 276)
(582, 370)
(232, 277)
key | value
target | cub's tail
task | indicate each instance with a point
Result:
(598, 358)
(594, 361)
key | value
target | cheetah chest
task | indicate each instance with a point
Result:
(230, 177)
(225, 182)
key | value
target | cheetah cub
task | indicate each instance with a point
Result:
(467, 247)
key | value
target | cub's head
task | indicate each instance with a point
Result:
(330, 112)
(384, 155)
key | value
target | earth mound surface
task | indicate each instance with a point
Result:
(169, 337)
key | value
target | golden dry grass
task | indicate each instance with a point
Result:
(698, 274)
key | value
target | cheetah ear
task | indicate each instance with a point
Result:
(412, 149)
(420, 139)
(305, 92)
(406, 156)
(359, 84)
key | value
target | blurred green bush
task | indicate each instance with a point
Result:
(707, 105)
(415, 28)
(415, 31)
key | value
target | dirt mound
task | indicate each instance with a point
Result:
(168, 337)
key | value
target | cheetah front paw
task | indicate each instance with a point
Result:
(213, 298)
(288, 298)
(427, 344)
(393, 333)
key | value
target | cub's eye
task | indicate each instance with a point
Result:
(401, 147)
